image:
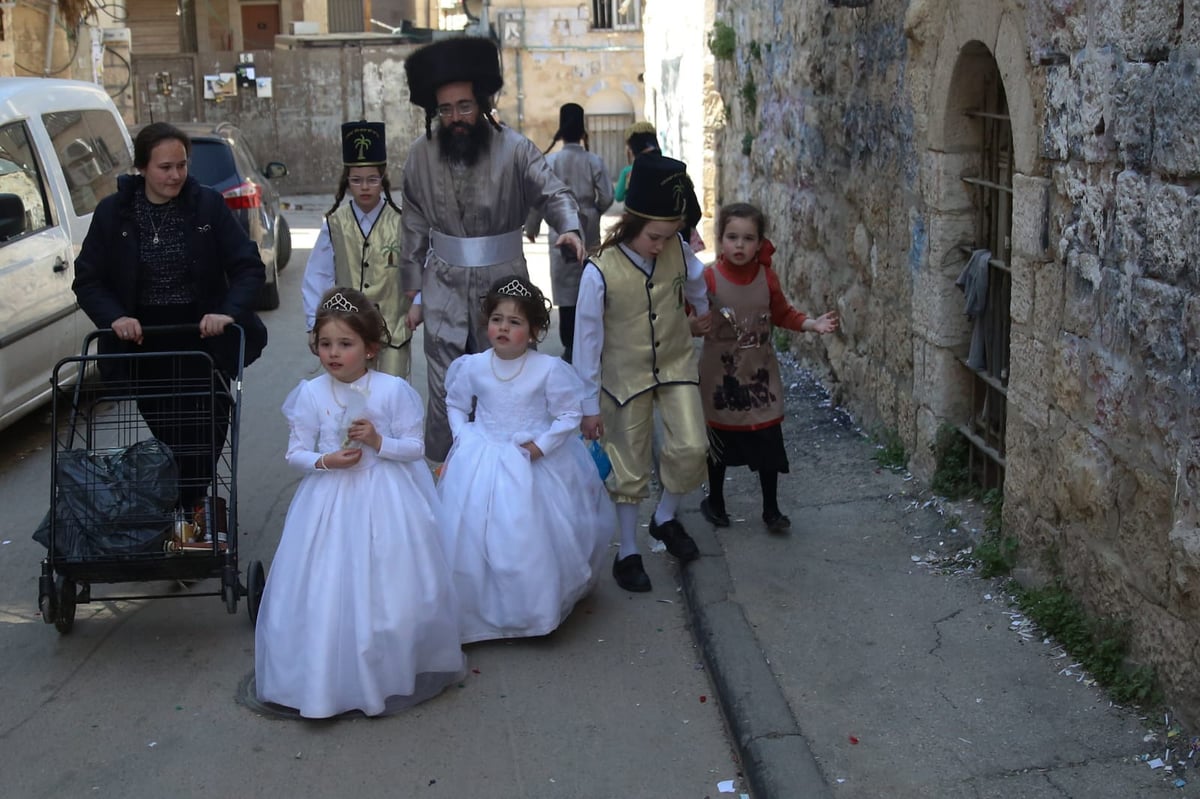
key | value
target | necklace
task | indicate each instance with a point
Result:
(514, 375)
(154, 227)
(366, 389)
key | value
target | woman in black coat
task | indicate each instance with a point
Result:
(164, 250)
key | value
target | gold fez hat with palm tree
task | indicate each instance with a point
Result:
(363, 144)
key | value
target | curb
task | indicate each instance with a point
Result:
(775, 757)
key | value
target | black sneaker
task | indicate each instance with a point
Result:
(714, 518)
(678, 542)
(776, 522)
(629, 574)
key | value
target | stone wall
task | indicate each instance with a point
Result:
(846, 126)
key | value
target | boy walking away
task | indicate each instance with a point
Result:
(739, 374)
(633, 351)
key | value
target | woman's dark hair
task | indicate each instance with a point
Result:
(528, 298)
(741, 211)
(344, 186)
(352, 308)
(153, 135)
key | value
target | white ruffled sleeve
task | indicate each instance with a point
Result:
(564, 398)
(459, 397)
(304, 428)
(404, 439)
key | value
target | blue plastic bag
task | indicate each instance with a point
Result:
(603, 464)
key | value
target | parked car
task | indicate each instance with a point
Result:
(63, 145)
(222, 160)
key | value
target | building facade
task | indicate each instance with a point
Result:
(1040, 152)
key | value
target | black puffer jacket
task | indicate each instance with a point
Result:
(225, 265)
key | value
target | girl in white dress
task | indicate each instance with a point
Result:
(525, 514)
(359, 611)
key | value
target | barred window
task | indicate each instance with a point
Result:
(616, 15)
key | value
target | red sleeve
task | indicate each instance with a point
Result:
(782, 313)
(710, 279)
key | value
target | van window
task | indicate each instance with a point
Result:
(91, 148)
(23, 205)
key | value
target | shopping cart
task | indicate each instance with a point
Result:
(143, 479)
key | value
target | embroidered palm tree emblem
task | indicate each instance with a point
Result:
(361, 144)
(677, 285)
(390, 251)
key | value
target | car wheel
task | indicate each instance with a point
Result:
(283, 244)
(268, 298)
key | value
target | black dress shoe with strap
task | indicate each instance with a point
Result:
(678, 542)
(629, 573)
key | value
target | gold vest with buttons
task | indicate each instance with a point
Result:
(375, 270)
(647, 341)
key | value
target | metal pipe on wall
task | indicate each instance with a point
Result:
(52, 16)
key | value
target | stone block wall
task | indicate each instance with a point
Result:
(846, 125)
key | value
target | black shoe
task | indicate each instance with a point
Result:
(678, 542)
(716, 519)
(776, 522)
(630, 575)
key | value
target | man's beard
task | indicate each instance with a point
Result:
(464, 149)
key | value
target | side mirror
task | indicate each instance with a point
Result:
(12, 216)
(275, 169)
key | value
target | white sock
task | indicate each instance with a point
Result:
(667, 506)
(627, 514)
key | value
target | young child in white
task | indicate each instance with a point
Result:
(525, 514)
(359, 611)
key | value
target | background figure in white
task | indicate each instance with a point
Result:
(359, 611)
(527, 518)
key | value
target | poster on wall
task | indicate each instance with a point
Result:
(264, 86)
(220, 86)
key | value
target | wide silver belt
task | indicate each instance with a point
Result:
(476, 250)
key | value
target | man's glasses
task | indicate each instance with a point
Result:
(372, 182)
(462, 108)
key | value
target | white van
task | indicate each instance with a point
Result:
(62, 146)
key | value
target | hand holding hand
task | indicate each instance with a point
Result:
(592, 427)
(415, 316)
(572, 240)
(700, 325)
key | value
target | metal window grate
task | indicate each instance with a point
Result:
(606, 138)
(617, 15)
(986, 428)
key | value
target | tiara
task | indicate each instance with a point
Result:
(514, 288)
(338, 302)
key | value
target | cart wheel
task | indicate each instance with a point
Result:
(256, 581)
(230, 593)
(67, 594)
(47, 606)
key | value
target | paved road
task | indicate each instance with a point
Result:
(142, 698)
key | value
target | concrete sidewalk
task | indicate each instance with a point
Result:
(849, 665)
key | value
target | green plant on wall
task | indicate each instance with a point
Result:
(750, 97)
(722, 42)
(747, 142)
(951, 476)
(755, 51)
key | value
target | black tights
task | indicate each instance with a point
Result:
(768, 481)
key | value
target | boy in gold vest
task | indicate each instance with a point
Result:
(633, 350)
(359, 243)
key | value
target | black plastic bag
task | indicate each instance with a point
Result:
(119, 502)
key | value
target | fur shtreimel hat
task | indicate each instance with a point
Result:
(570, 122)
(462, 58)
(660, 189)
(363, 144)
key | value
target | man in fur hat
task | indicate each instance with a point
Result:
(587, 177)
(359, 243)
(467, 192)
